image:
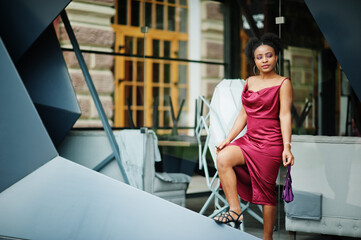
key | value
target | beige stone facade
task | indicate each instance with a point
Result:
(212, 46)
(91, 22)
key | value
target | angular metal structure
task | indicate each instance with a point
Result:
(77, 203)
(339, 22)
(45, 75)
(42, 195)
(25, 143)
(22, 22)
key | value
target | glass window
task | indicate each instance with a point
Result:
(155, 72)
(140, 94)
(183, 20)
(160, 16)
(182, 71)
(183, 2)
(166, 118)
(122, 12)
(155, 92)
(183, 52)
(128, 48)
(171, 18)
(128, 94)
(166, 73)
(166, 96)
(140, 116)
(166, 49)
(156, 48)
(140, 46)
(140, 71)
(128, 70)
(182, 95)
(148, 14)
(135, 13)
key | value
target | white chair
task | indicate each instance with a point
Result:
(328, 170)
(211, 129)
(139, 152)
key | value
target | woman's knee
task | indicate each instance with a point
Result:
(229, 158)
(222, 161)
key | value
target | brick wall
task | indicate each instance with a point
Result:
(91, 24)
(212, 46)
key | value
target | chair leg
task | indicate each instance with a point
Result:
(206, 204)
(292, 235)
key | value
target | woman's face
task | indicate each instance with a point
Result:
(265, 58)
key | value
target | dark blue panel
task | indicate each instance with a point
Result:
(339, 22)
(58, 122)
(22, 22)
(77, 203)
(45, 75)
(24, 142)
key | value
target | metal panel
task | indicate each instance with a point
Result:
(232, 39)
(45, 75)
(25, 144)
(340, 25)
(22, 22)
(77, 203)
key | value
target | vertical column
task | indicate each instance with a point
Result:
(232, 39)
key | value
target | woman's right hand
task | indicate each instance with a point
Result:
(222, 145)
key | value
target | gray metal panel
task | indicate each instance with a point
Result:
(45, 75)
(58, 122)
(339, 22)
(25, 144)
(22, 21)
(77, 203)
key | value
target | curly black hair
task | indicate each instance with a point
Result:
(269, 39)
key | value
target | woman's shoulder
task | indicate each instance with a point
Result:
(251, 78)
(284, 80)
(285, 84)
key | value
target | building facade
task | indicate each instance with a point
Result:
(152, 73)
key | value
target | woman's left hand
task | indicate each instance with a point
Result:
(287, 157)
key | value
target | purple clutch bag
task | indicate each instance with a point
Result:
(287, 190)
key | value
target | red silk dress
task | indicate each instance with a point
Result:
(262, 146)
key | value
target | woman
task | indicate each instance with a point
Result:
(249, 166)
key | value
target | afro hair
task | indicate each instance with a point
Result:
(269, 39)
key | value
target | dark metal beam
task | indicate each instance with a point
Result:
(94, 94)
(232, 39)
(147, 57)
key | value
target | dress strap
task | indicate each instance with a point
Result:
(283, 81)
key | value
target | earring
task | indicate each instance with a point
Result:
(254, 70)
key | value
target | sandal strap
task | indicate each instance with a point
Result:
(238, 215)
(227, 217)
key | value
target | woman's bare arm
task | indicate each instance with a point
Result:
(286, 98)
(238, 126)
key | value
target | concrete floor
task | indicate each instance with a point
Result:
(197, 195)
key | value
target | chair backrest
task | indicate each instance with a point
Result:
(225, 105)
(222, 112)
(139, 150)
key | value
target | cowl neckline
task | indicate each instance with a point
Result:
(263, 89)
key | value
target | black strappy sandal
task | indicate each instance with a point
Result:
(226, 218)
